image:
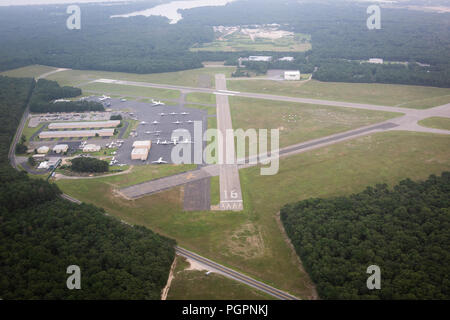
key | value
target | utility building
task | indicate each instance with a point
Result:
(141, 150)
(60, 148)
(292, 75)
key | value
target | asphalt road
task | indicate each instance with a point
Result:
(235, 275)
(197, 195)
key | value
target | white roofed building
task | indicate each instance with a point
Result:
(146, 144)
(139, 154)
(43, 150)
(292, 75)
(60, 148)
(91, 148)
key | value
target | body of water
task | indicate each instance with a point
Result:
(170, 10)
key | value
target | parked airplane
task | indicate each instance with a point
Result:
(162, 114)
(103, 98)
(156, 122)
(177, 122)
(184, 113)
(185, 141)
(157, 103)
(123, 100)
(143, 122)
(159, 161)
(190, 121)
(173, 113)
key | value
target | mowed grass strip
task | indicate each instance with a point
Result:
(106, 88)
(300, 122)
(251, 241)
(189, 78)
(436, 123)
(200, 97)
(190, 284)
(417, 97)
(32, 71)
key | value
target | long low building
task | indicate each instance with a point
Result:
(76, 133)
(83, 125)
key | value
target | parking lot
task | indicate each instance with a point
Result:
(146, 114)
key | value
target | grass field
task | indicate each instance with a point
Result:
(241, 42)
(132, 125)
(380, 94)
(190, 78)
(436, 122)
(199, 97)
(33, 71)
(251, 241)
(106, 88)
(28, 132)
(195, 285)
(300, 122)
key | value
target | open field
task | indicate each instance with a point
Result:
(106, 88)
(199, 97)
(33, 71)
(251, 241)
(132, 125)
(241, 42)
(191, 78)
(215, 190)
(380, 94)
(189, 284)
(137, 175)
(436, 122)
(300, 122)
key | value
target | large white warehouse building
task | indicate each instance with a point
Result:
(83, 125)
(76, 133)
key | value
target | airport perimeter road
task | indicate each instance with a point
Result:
(230, 185)
(158, 185)
(230, 273)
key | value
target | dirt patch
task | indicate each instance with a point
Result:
(308, 283)
(246, 242)
(166, 289)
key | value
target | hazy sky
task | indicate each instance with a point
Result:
(36, 2)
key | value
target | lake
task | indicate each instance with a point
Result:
(170, 10)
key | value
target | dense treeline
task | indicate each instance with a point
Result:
(47, 91)
(149, 45)
(41, 234)
(88, 164)
(405, 231)
(338, 31)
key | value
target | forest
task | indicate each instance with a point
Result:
(405, 231)
(151, 45)
(46, 91)
(42, 234)
(88, 164)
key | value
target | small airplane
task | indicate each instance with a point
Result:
(143, 122)
(184, 113)
(186, 141)
(103, 98)
(159, 161)
(157, 103)
(165, 142)
(148, 132)
(155, 122)
(123, 100)
(173, 113)
(190, 121)
(162, 114)
(177, 122)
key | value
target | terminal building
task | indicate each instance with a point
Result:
(76, 134)
(83, 125)
(141, 149)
